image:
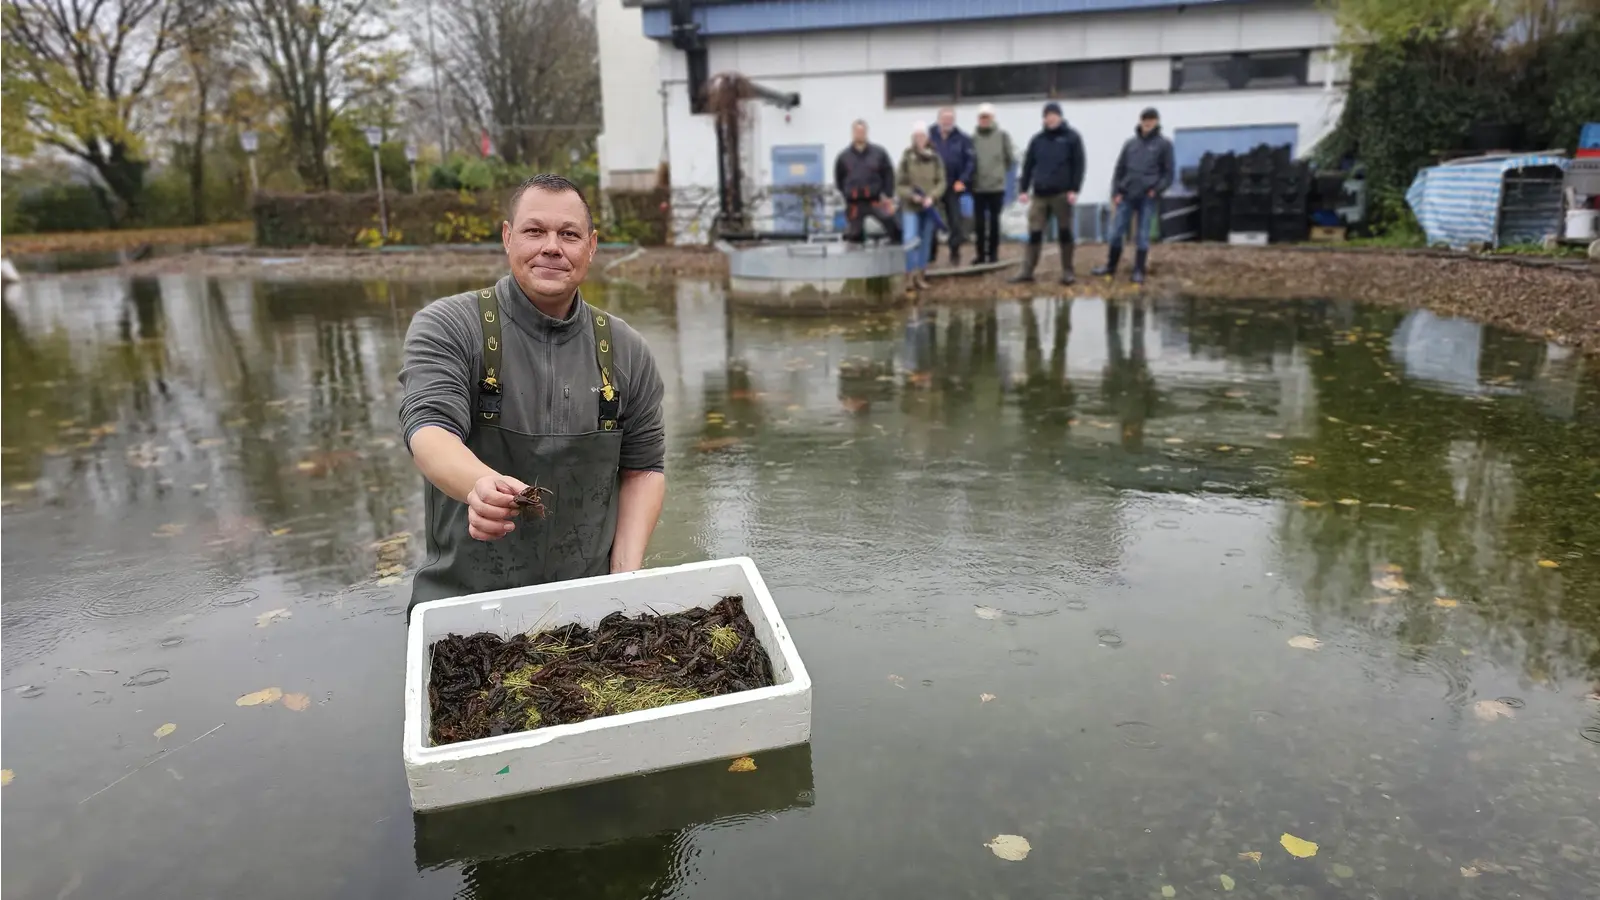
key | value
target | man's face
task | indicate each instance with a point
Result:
(986, 121)
(947, 119)
(1053, 120)
(1148, 125)
(858, 133)
(549, 243)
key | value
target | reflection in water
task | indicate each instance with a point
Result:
(1202, 481)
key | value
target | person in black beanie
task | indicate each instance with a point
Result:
(1143, 174)
(1052, 169)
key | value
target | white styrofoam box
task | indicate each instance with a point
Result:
(526, 762)
(1248, 238)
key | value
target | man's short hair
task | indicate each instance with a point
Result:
(861, 122)
(550, 184)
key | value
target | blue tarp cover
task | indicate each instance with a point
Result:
(1459, 204)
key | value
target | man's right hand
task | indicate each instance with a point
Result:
(491, 505)
(1022, 198)
(1116, 199)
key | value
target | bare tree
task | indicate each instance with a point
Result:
(207, 40)
(87, 69)
(306, 47)
(526, 71)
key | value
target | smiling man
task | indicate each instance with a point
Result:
(524, 385)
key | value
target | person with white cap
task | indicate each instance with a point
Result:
(995, 156)
(920, 181)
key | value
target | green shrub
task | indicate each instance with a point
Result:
(335, 220)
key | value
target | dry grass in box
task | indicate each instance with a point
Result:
(486, 685)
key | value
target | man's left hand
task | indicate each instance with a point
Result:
(1151, 193)
(1072, 197)
(959, 186)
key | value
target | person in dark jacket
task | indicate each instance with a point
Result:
(864, 174)
(1143, 174)
(955, 149)
(1052, 169)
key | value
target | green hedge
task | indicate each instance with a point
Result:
(639, 216)
(338, 220)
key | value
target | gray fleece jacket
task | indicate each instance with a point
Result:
(548, 369)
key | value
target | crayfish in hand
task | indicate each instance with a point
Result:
(529, 498)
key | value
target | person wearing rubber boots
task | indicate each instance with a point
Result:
(995, 156)
(864, 174)
(1143, 174)
(1052, 168)
(522, 386)
(955, 150)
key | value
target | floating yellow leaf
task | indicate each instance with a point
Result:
(270, 616)
(1174, 440)
(265, 695)
(1489, 710)
(1305, 642)
(1446, 602)
(296, 702)
(1297, 846)
(1252, 855)
(742, 764)
(5, 777)
(280, 532)
(1274, 436)
(1393, 569)
(986, 612)
(1549, 564)
(1349, 501)
(1168, 891)
(1310, 504)
(1469, 871)
(1389, 581)
(1010, 847)
(985, 698)
(166, 729)
(306, 465)
(1343, 871)
(1227, 882)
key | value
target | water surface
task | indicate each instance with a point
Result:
(1110, 521)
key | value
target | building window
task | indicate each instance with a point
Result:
(1240, 71)
(920, 87)
(1099, 78)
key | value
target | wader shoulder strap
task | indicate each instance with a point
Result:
(610, 400)
(489, 385)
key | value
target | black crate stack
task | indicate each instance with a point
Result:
(1215, 187)
(1264, 190)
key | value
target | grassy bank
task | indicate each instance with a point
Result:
(110, 241)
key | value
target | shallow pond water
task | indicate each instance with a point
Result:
(1151, 586)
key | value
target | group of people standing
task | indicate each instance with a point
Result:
(943, 163)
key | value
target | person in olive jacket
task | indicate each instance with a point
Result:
(995, 155)
(1143, 174)
(920, 181)
(1052, 168)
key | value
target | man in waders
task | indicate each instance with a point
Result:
(524, 384)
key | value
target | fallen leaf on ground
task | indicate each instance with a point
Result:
(985, 698)
(1297, 846)
(267, 618)
(5, 777)
(1549, 564)
(1305, 642)
(265, 695)
(1168, 891)
(166, 729)
(1469, 872)
(1252, 855)
(1446, 602)
(742, 764)
(1392, 582)
(1227, 883)
(1343, 871)
(986, 612)
(1010, 847)
(1489, 710)
(296, 702)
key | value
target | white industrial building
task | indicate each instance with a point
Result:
(1224, 75)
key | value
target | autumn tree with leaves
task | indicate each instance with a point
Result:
(80, 77)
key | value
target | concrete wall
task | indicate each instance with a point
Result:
(839, 76)
(630, 96)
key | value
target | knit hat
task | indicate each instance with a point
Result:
(986, 109)
(919, 128)
(1052, 107)
(1150, 113)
